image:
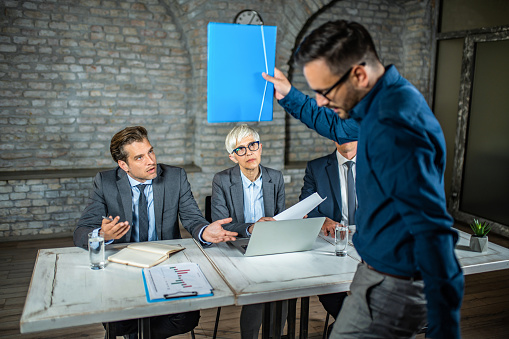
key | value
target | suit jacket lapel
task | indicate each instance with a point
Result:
(158, 191)
(124, 188)
(269, 203)
(237, 193)
(333, 174)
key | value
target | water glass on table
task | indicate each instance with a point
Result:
(96, 250)
(341, 239)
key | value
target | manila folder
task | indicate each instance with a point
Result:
(145, 254)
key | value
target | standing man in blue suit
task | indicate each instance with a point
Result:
(247, 192)
(409, 271)
(327, 176)
(145, 201)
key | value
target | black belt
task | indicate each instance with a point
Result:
(403, 277)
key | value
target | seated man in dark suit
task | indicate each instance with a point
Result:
(145, 199)
(328, 176)
(248, 193)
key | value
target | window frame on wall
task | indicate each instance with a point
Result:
(470, 39)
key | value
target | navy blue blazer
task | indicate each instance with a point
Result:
(322, 176)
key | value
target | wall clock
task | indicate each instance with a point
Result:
(248, 17)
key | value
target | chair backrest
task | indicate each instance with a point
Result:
(208, 208)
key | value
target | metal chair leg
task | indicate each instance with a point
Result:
(110, 331)
(144, 328)
(304, 317)
(217, 323)
(292, 317)
(325, 328)
(192, 334)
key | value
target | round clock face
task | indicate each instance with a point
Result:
(248, 17)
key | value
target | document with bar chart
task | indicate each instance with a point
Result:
(175, 281)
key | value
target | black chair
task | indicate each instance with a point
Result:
(208, 216)
(208, 208)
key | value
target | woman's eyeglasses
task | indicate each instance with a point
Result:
(242, 150)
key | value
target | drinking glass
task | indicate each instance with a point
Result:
(96, 250)
(341, 239)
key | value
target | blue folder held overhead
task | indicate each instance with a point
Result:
(237, 56)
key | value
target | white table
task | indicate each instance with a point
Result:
(302, 274)
(267, 278)
(65, 292)
(496, 258)
(285, 276)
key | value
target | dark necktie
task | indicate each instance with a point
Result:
(142, 214)
(351, 193)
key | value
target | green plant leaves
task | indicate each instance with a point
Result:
(480, 229)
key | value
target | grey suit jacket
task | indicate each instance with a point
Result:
(172, 198)
(228, 197)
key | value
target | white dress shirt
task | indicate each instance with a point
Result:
(343, 169)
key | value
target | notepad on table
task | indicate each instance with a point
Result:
(144, 254)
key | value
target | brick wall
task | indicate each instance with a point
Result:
(72, 73)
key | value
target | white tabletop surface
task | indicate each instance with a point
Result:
(65, 292)
(284, 276)
(496, 258)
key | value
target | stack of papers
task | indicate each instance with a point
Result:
(175, 281)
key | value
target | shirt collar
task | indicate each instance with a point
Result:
(390, 77)
(135, 183)
(342, 159)
(246, 182)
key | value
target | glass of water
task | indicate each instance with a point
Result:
(96, 250)
(341, 239)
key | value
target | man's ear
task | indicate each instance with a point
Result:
(361, 77)
(123, 165)
(232, 158)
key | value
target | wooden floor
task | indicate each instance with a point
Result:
(485, 311)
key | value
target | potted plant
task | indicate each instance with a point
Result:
(479, 240)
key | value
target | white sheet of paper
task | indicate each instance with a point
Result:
(300, 209)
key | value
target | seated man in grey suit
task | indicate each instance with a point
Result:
(328, 176)
(248, 193)
(144, 199)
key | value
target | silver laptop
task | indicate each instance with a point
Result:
(272, 237)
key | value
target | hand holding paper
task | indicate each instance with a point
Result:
(299, 210)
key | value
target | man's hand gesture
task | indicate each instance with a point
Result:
(112, 229)
(215, 233)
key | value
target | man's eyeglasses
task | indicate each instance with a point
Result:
(242, 150)
(342, 79)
